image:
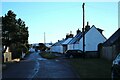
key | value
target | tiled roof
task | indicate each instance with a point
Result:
(113, 38)
(76, 38)
(59, 42)
(67, 41)
(79, 36)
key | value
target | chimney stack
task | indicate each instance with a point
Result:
(87, 27)
(78, 31)
(69, 35)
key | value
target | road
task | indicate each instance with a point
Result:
(36, 67)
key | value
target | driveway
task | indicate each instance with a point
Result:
(36, 67)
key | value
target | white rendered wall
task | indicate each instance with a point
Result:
(92, 38)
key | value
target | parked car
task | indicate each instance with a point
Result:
(73, 53)
(116, 68)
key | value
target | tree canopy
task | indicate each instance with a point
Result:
(13, 30)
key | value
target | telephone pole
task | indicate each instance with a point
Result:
(44, 38)
(83, 30)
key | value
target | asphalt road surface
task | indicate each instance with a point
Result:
(35, 67)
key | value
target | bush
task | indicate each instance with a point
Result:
(18, 51)
(24, 48)
(48, 55)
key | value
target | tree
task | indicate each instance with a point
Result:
(8, 27)
(42, 47)
(22, 33)
(13, 30)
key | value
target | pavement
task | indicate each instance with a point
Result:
(34, 67)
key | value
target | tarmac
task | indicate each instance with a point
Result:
(34, 67)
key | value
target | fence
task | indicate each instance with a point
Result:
(108, 52)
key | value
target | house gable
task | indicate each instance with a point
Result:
(92, 38)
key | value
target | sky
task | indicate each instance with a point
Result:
(56, 19)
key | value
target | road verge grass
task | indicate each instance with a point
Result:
(48, 55)
(92, 68)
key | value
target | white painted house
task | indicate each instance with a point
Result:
(74, 43)
(61, 45)
(65, 44)
(57, 47)
(92, 38)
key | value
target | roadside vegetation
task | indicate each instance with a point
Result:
(92, 68)
(48, 55)
(14, 38)
(14, 35)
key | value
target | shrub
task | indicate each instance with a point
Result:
(18, 51)
(48, 55)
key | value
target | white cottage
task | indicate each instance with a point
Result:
(61, 45)
(93, 36)
(57, 47)
(74, 43)
(65, 44)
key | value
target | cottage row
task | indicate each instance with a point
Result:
(93, 38)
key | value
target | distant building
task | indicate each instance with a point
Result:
(65, 44)
(61, 45)
(35, 44)
(48, 44)
(57, 47)
(38, 44)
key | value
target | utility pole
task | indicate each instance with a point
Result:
(44, 38)
(83, 30)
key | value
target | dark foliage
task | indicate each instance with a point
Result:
(14, 31)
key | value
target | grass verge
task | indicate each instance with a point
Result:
(92, 68)
(48, 55)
